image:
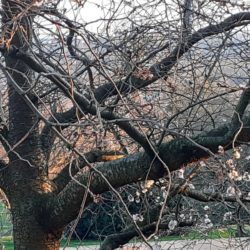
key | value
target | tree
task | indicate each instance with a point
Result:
(155, 81)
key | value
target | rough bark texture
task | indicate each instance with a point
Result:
(28, 233)
(23, 178)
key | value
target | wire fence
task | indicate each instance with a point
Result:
(5, 221)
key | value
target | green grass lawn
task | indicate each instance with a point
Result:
(76, 243)
(214, 234)
(8, 243)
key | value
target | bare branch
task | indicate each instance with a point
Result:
(175, 154)
(71, 169)
(165, 65)
(213, 197)
(116, 240)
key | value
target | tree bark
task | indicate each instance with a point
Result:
(28, 235)
(26, 168)
(27, 231)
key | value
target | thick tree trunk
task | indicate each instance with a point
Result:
(26, 168)
(30, 238)
(30, 235)
(26, 202)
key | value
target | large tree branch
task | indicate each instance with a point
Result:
(175, 154)
(133, 168)
(158, 70)
(242, 105)
(213, 197)
(114, 241)
(83, 103)
(148, 226)
(118, 173)
(74, 167)
(162, 68)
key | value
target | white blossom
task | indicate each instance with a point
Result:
(162, 180)
(209, 225)
(236, 154)
(137, 193)
(206, 208)
(208, 222)
(157, 199)
(227, 216)
(172, 224)
(247, 157)
(231, 191)
(148, 184)
(140, 218)
(248, 196)
(182, 216)
(234, 175)
(137, 217)
(180, 173)
(202, 164)
(37, 3)
(137, 200)
(246, 176)
(130, 198)
(221, 150)
(191, 186)
(164, 194)
(230, 163)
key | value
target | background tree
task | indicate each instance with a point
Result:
(161, 85)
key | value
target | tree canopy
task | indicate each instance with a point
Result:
(153, 94)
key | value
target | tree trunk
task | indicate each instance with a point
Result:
(30, 235)
(26, 165)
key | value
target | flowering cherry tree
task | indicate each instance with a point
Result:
(153, 94)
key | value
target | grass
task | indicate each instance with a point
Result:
(76, 243)
(220, 233)
(198, 235)
(193, 235)
(214, 234)
(7, 241)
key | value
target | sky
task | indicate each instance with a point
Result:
(93, 9)
(90, 12)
